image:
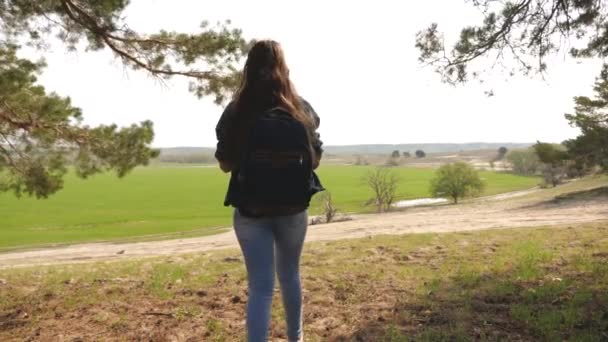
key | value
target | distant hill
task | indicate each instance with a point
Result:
(186, 150)
(428, 148)
(205, 154)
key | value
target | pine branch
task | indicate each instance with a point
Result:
(82, 18)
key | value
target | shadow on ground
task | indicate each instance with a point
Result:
(495, 307)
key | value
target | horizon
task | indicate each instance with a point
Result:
(397, 144)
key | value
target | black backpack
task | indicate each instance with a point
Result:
(276, 168)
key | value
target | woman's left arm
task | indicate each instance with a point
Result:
(222, 139)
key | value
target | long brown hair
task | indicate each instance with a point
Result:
(265, 84)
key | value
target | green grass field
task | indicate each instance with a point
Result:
(171, 199)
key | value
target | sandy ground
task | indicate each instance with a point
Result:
(529, 208)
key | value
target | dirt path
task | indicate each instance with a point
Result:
(522, 209)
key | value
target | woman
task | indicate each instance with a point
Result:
(276, 232)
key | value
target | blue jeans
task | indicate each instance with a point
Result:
(259, 238)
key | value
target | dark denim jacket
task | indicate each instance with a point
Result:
(227, 120)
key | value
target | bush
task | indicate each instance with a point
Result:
(555, 158)
(554, 175)
(524, 162)
(392, 162)
(456, 181)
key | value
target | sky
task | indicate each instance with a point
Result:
(354, 61)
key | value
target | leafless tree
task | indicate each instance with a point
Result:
(383, 183)
(328, 207)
